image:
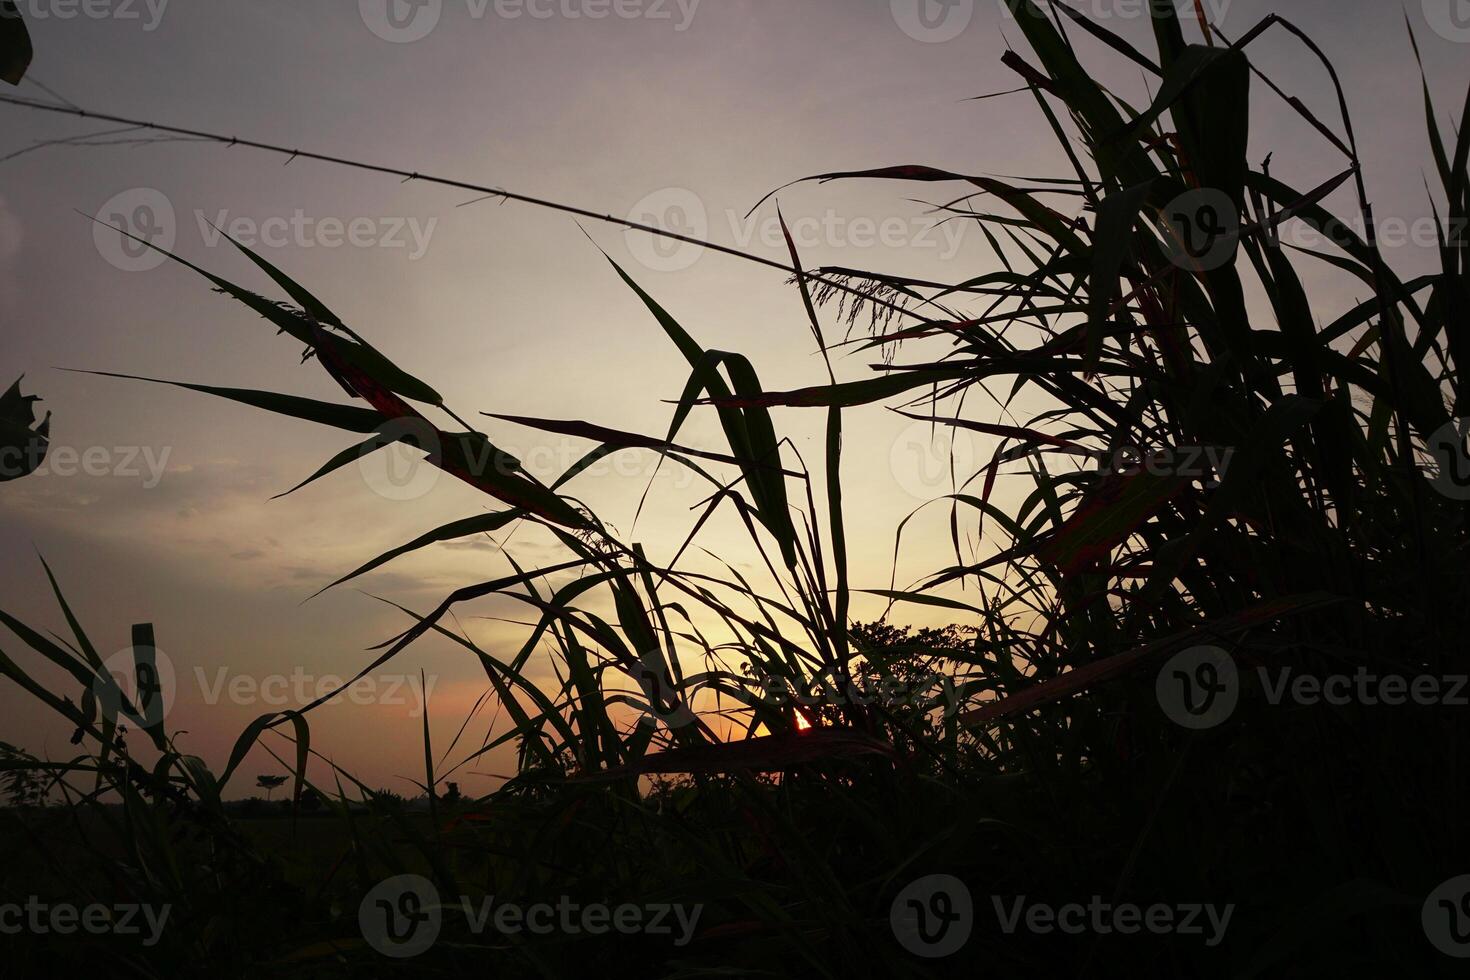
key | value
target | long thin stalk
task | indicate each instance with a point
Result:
(408, 175)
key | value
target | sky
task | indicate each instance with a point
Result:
(156, 505)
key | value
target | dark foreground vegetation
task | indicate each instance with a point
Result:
(1072, 759)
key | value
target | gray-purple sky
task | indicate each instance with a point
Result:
(158, 507)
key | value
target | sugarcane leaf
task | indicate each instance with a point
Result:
(348, 417)
(453, 531)
(15, 44)
(23, 443)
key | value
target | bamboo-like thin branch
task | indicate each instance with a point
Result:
(407, 175)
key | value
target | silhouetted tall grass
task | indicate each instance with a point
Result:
(1330, 543)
